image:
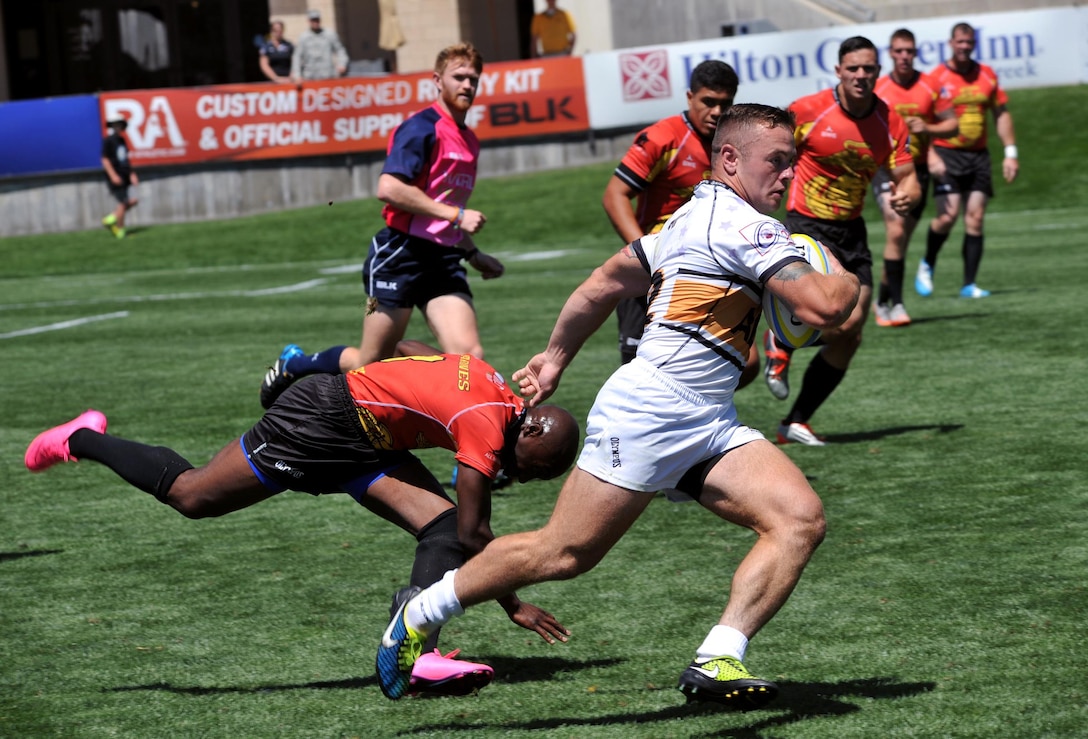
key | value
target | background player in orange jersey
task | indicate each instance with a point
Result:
(914, 97)
(972, 89)
(659, 172)
(352, 434)
(844, 136)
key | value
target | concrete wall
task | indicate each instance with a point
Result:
(33, 205)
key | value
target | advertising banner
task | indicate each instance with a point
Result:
(639, 85)
(265, 121)
(50, 135)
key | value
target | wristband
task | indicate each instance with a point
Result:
(1010, 151)
(468, 255)
(456, 220)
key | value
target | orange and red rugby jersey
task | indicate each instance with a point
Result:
(453, 401)
(838, 155)
(970, 95)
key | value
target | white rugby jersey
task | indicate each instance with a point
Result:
(708, 266)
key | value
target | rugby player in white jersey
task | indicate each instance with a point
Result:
(667, 420)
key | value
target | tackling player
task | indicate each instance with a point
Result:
(353, 434)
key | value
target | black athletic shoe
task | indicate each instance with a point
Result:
(278, 378)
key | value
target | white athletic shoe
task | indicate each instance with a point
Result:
(801, 433)
(923, 281)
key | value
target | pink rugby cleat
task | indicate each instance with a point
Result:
(51, 446)
(434, 674)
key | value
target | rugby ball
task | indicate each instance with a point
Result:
(788, 331)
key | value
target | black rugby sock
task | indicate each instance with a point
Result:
(972, 258)
(819, 382)
(934, 242)
(893, 291)
(438, 551)
(152, 469)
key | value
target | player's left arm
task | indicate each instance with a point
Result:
(945, 126)
(474, 532)
(622, 276)
(1010, 166)
(488, 266)
(906, 190)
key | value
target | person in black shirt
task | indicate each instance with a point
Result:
(119, 176)
(276, 54)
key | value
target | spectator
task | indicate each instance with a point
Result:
(275, 53)
(914, 96)
(972, 89)
(119, 176)
(319, 55)
(552, 32)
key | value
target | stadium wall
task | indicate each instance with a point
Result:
(616, 92)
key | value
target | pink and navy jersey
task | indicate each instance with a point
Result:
(429, 150)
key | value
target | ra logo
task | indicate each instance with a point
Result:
(146, 126)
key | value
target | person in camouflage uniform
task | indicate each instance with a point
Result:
(319, 54)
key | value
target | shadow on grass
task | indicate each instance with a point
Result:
(797, 702)
(5, 556)
(876, 434)
(350, 683)
(951, 317)
(507, 669)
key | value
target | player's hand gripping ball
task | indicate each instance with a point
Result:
(788, 331)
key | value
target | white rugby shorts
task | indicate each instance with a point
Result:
(645, 431)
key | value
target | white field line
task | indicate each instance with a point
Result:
(297, 287)
(264, 292)
(64, 324)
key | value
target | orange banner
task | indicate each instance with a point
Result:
(351, 114)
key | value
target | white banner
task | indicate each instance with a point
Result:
(1031, 48)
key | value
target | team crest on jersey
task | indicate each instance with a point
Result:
(765, 234)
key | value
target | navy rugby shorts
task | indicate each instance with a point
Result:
(403, 271)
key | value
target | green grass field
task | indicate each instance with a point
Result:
(949, 599)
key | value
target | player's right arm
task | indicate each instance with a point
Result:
(622, 276)
(107, 165)
(474, 532)
(395, 191)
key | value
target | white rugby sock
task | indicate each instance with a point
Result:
(435, 606)
(723, 641)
